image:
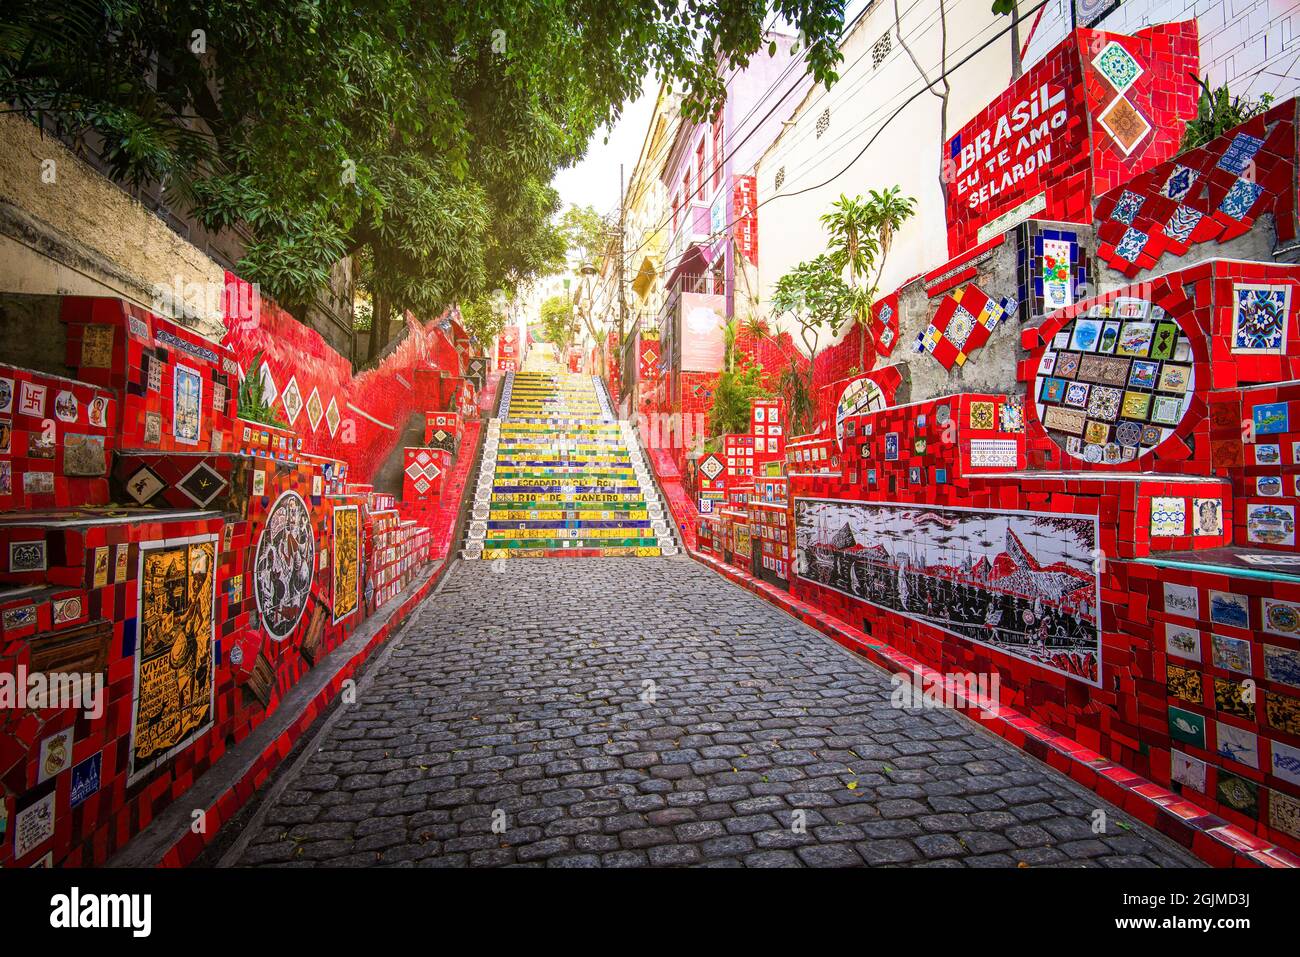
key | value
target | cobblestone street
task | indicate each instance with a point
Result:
(517, 695)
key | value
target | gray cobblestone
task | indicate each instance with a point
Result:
(522, 692)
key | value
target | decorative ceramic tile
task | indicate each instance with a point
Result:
(1240, 198)
(1269, 524)
(1182, 642)
(187, 408)
(1182, 223)
(1230, 654)
(1104, 403)
(1240, 153)
(332, 417)
(1261, 315)
(962, 324)
(1131, 244)
(1187, 727)
(1187, 771)
(31, 400)
(97, 346)
(144, 484)
(1270, 418)
(1125, 124)
(28, 556)
(1127, 207)
(201, 484)
(1168, 517)
(84, 455)
(998, 453)
(1183, 600)
(1238, 793)
(1282, 665)
(66, 407)
(1179, 184)
(315, 409)
(1229, 608)
(1207, 516)
(1117, 65)
(981, 416)
(291, 400)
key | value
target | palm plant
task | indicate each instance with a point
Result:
(755, 330)
(796, 388)
(861, 233)
(252, 403)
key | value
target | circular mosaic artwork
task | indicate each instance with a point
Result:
(284, 566)
(860, 395)
(1113, 384)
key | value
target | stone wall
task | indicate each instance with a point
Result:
(66, 230)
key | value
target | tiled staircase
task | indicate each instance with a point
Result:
(561, 478)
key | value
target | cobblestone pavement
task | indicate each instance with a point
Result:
(519, 692)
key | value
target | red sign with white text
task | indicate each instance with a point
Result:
(744, 216)
(1098, 109)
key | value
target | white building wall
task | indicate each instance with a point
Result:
(1251, 45)
(906, 151)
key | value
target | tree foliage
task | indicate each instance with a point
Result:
(559, 321)
(817, 298)
(252, 403)
(483, 319)
(585, 233)
(425, 133)
(732, 393)
(861, 232)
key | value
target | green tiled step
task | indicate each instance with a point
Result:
(568, 543)
(571, 477)
(556, 433)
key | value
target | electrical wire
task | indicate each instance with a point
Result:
(925, 88)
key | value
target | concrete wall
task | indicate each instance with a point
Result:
(1250, 44)
(65, 229)
(905, 153)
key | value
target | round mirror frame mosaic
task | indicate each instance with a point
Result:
(1115, 381)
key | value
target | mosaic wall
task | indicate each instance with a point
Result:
(189, 564)
(1084, 475)
(1096, 110)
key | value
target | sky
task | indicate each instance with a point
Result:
(594, 181)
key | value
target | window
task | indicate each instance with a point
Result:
(780, 177)
(686, 190)
(676, 207)
(717, 151)
(701, 176)
(823, 122)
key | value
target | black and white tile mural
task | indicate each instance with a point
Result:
(1020, 582)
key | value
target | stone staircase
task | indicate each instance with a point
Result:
(562, 478)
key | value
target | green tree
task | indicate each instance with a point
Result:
(585, 233)
(483, 319)
(817, 298)
(732, 394)
(559, 322)
(424, 133)
(815, 295)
